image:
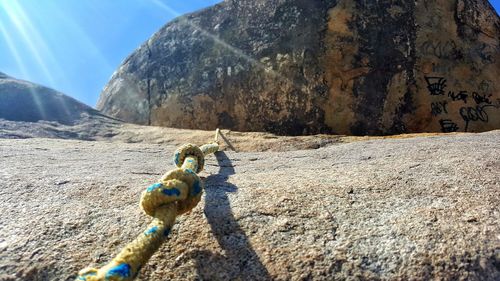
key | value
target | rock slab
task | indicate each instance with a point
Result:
(401, 209)
(28, 102)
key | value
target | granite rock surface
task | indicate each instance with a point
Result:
(29, 102)
(395, 209)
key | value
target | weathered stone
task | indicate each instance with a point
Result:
(313, 66)
(101, 128)
(26, 101)
(412, 209)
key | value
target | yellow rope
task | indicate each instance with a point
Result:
(177, 192)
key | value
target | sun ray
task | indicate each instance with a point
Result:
(38, 47)
(17, 57)
(10, 44)
(33, 41)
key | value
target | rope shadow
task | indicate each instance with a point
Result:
(239, 262)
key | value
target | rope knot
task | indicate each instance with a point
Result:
(189, 150)
(181, 185)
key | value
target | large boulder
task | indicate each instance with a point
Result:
(312, 66)
(25, 101)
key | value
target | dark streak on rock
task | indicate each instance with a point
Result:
(378, 34)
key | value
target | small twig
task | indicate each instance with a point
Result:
(145, 173)
(227, 142)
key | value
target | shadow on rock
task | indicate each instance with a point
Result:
(239, 261)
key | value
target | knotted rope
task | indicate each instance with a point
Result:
(177, 192)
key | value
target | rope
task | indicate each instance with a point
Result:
(177, 192)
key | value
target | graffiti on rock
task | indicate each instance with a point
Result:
(474, 114)
(436, 85)
(481, 98)
(484, 86)
(448, 126)
(469, 113)
(462, 95)
(485, 53)
(438, 108)
(478, 112)
(442, 50)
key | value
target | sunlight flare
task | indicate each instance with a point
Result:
(231, 48)
(33, 40)
(7, 37)
(17, 57)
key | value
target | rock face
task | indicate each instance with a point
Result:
(25, 101)
(412, 209)
(315, 66)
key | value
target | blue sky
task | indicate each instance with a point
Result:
(74, 46)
